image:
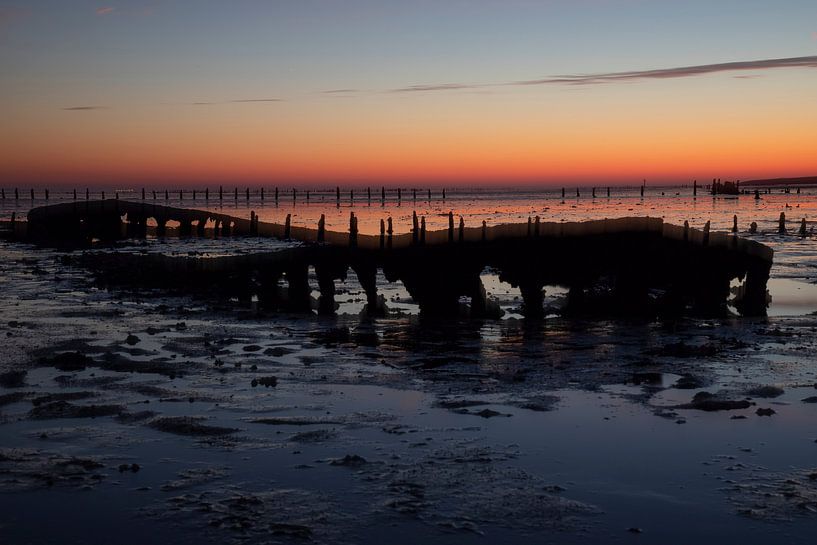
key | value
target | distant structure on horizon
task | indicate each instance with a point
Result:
(725, 188)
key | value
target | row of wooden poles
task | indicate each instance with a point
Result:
(277, 195)
(781, 226)
(418, 231)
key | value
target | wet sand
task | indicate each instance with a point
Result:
(129, 415)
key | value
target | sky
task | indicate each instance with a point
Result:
(421, 92)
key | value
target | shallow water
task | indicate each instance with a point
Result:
(479, 432)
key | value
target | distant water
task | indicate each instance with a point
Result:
(674, 204)
(794, 275)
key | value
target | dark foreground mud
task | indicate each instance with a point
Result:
(137, 414)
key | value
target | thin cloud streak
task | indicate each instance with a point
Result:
(104, 11)
(680, 72)
(624, 77)
(237, 101)
(83, 108)
(441, 87)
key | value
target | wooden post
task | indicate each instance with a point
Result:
(536, 226)
(220, 193)
(577, 192)
(382, 234)
(337, 196)
(287, 226)
(326, 285)
(530, 227)
(802, 226)
(46, 194)
(706, 234)
(608, 192)
(443, 193)
(369, 194)
(462, 229)
(235, 194)
(390, 230)
(262, 194)
(429, 196)
(686, 231)
(352, 229)
(593, 192)
(753, 228)
(383, 195)
(563, 193)
(32, 194)
(423, 230)
(161, 227)
(322, 228)
(103, 195)
(695, 188)
(181, 195)
(415, 227)
(781, 225)
(154, 194)
(167, 195)
(307, 196)
(450, 226)
(735, 223)
(16, 194)
(206, 193)
(294, 195)
(484, 231)
(194, 194)
(276, 196)
(414, 195)
(248, 194)
(399, 196)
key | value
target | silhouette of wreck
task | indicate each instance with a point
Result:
(725, 188)
(627, 266)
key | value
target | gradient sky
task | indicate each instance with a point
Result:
(379, 91)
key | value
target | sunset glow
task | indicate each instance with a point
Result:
(371, 93)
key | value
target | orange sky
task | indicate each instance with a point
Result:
(126, 119)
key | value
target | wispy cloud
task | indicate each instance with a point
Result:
(83, 108)
(625, 77)
(107, 10)
(237, 101)
(680, 72)
(340, 91)
(439, 87)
